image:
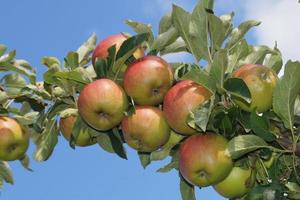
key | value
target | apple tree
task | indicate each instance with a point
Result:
(226, 119)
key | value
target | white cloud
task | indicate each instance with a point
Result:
(280, 22)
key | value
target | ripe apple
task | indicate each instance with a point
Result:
(14, 140)
(203, 160)
(236, 184)
(102, 104)
(66, 125)
(147, 80)
(101, 49)
(261, 82)
(146, 130)
(180, 100)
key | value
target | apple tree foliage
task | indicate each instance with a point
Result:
(218, 49)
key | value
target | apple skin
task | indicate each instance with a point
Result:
(102, 104)
(261, 82)
(14, 140)
(236, 184)
(101, 49)
(66, 125)
(180, 100)
(203, 160)
(146, 130)
(148, 79)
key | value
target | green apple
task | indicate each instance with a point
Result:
(14, 140)
(261, 81)
(236, 184)
(66, 126)
(182, 99)
(203, 160)
(102, 104)
(147, 80)
(146, 130)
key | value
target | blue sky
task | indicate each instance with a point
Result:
(39, 28)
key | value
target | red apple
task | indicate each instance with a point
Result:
(147, 80)
(66, 126)
(14, 140)
(203, 160)
(180, 101)
(146, 130)
(101, 49)
(102, 104)
(261, 81)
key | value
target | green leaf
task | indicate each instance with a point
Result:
(274, 61)
(218, 69)
(165, 23)
(243, 144)
(286, 92)
(227, 23)
(144, 159)
(294, 190)
(27, 119)
(238, 89)
(13, 83)
(68, 112)
(50, 61)
(198, 119)
(172, 165)
(142, 28)
(199, 76)
(164, 151)
(127, 49)
(238, 33)
(47, 141)
(236, 54)
(260, 127)
(177, 46)
(187, 190)
(72, 60)
(101, 68)
(8, 57)
(25, 163)
(6, 173)
(217, 31)
(74, 75)
(165, 39)
(180, 18)
(3, 48)
(86, 49)
(257, 55)
(19, 69)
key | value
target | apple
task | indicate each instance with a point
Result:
(261, 82)
(180, 101)
(66, 126)
(14, 140)
(236, 184)
(101, 49)
(203, 160)
(146, 130)
(102, 104)
(147, 80)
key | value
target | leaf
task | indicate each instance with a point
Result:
(256, 56)
(237, 53)
(144, 159)
(216, 31)
(101, 68)
(74, 75)
(164, 151)
(3, 48)
(238, 88)
(50, 61)
(243, 144)
(180, 18)
(260, 127)
(198, 119)
(165, 23)
(25, 162)
(6, 173)
(238, 33)
(187, 190)
(294, 190)
(127, 49)
(13, 83)
(177, 46)
(27, 119)
(86, 49)
(274, 61)
(19, 69)
(199, 76)
(142, 28)
(8, 57)
(285, 93)
(68, 112)
(173, 164)
(218, 68)
(227, 23)
(46, 141)
(165, 39)
(72, 60)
